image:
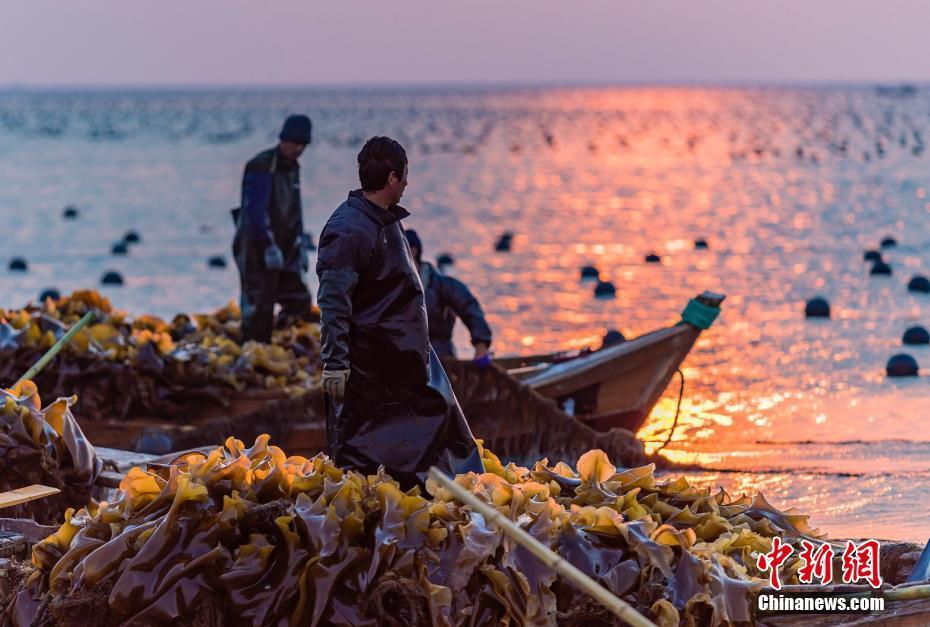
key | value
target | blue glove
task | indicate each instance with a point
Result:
(484, 361)
(274, 258)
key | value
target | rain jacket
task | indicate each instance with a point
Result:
(446, 299)
(399, 409)
(271, 212)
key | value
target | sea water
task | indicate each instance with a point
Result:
(788, 186)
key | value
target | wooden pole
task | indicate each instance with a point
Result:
(24, 495)
(50, 354)
(618, 606)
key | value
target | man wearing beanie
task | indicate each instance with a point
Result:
(391, 404)
(270, 246)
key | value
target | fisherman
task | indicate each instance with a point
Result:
(390, 403)
(446, 299)
(270, 246)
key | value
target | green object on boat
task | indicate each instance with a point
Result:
(48, 356)
(699, 315)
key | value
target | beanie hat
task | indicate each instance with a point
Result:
(296, 129)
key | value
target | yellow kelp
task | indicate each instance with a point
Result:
(250, 536)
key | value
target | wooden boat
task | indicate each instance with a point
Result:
(615, 386)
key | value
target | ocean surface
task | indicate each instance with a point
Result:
(788, 186)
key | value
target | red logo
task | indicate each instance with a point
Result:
(817, 562)
(861, 562)
(773, 559)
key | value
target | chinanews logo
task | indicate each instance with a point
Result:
(821, 564)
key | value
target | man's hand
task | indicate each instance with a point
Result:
(274, 258)
(334, 383)
(482, 356)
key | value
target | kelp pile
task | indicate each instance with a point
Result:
(43, 446)
(252, 537)
(122, 364)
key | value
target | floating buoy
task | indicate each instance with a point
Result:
(916, 335)
(181, 326)
(154, 442)
(445, 259)
(817, 308)
(605, 289)
(50, 292)
(872, 255)
(18, 264)
(504, 243)
(217, 262)
(700, 244)
(889, 242)
(612, 337)
(590, 273)
(112, 278)
(919, 284)
(132, 237)
(880, 268)
(70, 213)
(119, 249)
(653, 258)
(902, 365)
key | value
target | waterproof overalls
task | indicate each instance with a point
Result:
(399, 410)
(271, 213)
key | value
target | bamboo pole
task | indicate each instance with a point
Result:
(618, 606)
(50, 354)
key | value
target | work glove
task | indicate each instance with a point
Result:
(482, 355)
(274, 258)
(334, 383)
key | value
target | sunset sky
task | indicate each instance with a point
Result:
(357, 42)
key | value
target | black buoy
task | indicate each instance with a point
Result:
(18, 264)
(902, 365)
(889, 242)
(590, 273)
(700, 244)
(504, 243)
(217, 262)
(653, 258)
(817, 308)
(919, 284)
(605, 289)
(880, 268)
(70, 213)
(916, 335)
(112, 278)
(119, 249)
(47, 293)
(445, 259)
(132, 237)
(872, 255)
(154, 442)
(612, 337)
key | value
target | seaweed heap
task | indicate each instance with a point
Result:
(252, 537)
(122, 364)
(43, 446)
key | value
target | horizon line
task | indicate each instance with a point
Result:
(465, 85)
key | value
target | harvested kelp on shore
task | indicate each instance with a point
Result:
(43, 446)
(123, 364)
(252, 536)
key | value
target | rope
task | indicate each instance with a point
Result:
(671, 432)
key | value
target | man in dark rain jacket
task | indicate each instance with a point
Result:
(446, 299)
(391, 403)
(270, 247)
